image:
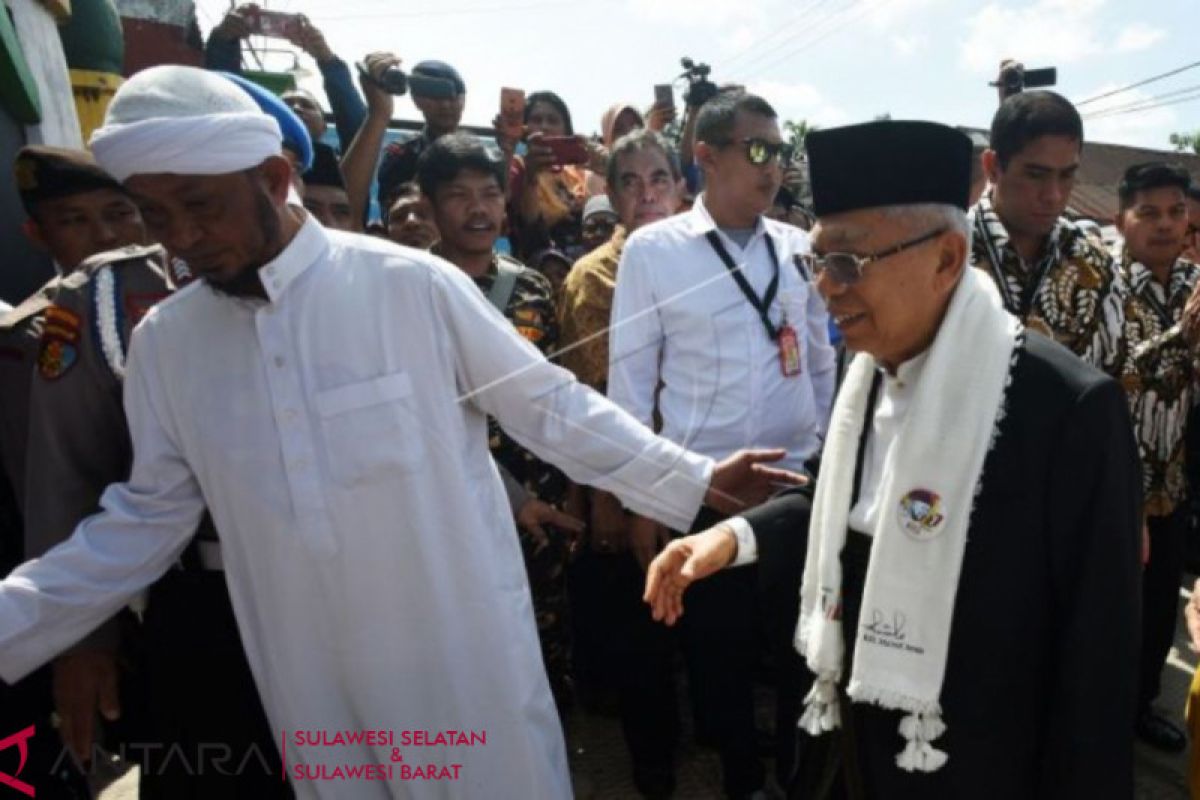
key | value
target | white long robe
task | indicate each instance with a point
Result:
(337, 434)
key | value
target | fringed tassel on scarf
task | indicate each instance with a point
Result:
(919, 755)
(821, 711)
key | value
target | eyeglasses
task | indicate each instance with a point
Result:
(847, 268)
(760, 151)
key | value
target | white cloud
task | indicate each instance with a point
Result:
(740, 39)
(907, 46)
(889, 13)
(794, 101)
(1138, 36)
(1041, 32)
(697, 13)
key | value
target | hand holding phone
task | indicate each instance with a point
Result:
(276, 24)
(567, 149)
(664, 96)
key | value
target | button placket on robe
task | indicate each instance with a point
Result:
(296, 436)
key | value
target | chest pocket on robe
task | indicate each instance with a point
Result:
(371, 430)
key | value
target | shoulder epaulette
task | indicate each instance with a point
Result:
(35, 304)
(128, 253)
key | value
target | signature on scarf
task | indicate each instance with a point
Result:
(881, 625)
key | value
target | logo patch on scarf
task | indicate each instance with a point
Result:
(921, 514)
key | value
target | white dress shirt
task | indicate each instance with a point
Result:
(895, 396)
(338, 435)
(679, 319)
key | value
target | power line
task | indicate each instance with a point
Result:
(1187, 99)
(1103, 112)
(836, 27)
(1151, 79)
(752, 49)
(814, 22)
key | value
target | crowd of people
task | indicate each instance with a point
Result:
(447, 434)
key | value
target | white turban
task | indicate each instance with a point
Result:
(183, 121)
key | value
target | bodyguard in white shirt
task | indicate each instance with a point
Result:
(718, 329)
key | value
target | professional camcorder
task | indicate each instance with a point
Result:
(395, 81)
(700, 89)
(1014, 78)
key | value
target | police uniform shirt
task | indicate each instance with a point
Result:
(20, 334)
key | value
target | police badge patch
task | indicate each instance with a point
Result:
(56, 357)
(60, 337)
(920, 514)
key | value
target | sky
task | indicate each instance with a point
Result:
(831, 62)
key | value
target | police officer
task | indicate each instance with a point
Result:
(74, 210)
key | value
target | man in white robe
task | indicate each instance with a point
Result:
(325, 396)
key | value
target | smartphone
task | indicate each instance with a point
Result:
(664, 95)
(276, 24)
(512, 112)
(567, 149)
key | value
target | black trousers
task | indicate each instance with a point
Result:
(210, 735)
(721, 639)
(1160, 598)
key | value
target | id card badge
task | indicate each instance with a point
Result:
(789, 351)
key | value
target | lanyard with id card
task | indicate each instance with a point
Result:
(784, 335)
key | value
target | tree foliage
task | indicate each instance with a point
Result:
(1185, 142)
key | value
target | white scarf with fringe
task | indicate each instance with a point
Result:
(931, 476)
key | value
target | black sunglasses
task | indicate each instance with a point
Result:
(847, 268)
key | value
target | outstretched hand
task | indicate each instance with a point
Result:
(534, 514)
(684, 561)
(743, 480)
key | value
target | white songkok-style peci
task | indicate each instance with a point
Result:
(183, 121)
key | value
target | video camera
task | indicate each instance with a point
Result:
(1014, 78)
(395, 81)
(700, 89)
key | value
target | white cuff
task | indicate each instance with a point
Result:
(747, 545)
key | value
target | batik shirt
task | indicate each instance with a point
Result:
(1074, 293)
(587, 310)
(1160, 377)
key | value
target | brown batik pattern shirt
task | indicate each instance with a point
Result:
(1074, 293)
(1160, 377)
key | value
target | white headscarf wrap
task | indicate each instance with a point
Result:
(183, 121)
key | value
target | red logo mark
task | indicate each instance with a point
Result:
(18, 739)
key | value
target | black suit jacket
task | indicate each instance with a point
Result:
(1040, 686)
